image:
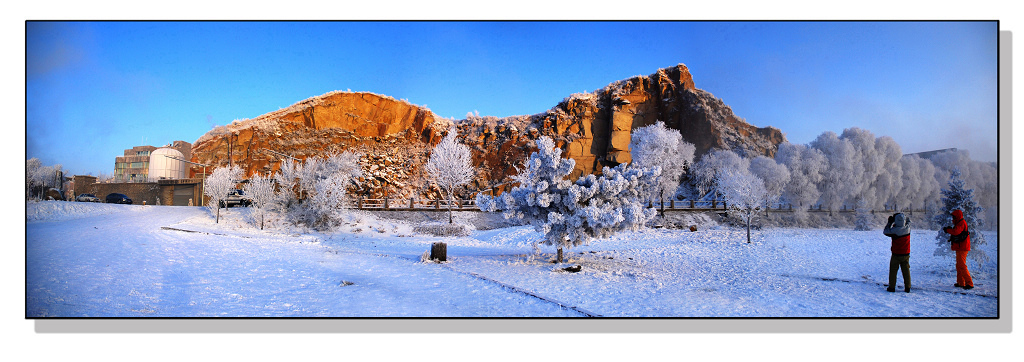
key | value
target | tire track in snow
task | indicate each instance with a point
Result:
(512, 288)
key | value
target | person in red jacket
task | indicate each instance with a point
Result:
(898, 228)
(959, 231)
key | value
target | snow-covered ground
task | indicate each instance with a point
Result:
(99, 260)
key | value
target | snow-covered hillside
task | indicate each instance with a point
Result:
(97, 260)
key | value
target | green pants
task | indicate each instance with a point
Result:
(899, 262)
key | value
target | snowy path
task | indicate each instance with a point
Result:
(97, 267)
(135, 261)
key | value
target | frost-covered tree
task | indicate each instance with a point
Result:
(957, 196)
(868, 164)
(657, 146)
(287, 178)
(774, 175)
(863, 218)
(946, 161)
(806, 166)
(265, 199)
(889, 179)
(33, 168)
(571, 214)
(220, 182)
(979, 176)
(39, 178)
(841, 179)
(706, 171)
(744, 193)
(918, 184)
(323, 185)
(451, 166)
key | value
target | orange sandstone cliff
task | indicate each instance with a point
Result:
(395, 137)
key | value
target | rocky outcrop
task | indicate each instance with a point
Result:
(396, 137)
(393, 136)
(595, 128)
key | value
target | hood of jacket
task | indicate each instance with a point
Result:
(899, 221)
(900, 226)
(958, 215)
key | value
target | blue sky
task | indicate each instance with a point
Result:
(94, 89)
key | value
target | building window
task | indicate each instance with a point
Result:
(140, 164)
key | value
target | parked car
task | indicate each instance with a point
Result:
(236, 198)
(87, 198)
(116, 198)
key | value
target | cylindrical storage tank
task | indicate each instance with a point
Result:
(162, 167)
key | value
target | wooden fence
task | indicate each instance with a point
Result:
(670, 206)
(415, 205)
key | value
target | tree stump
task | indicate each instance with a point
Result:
(439, 251)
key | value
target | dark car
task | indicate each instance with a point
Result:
(117, 198)
(87, 198)
(236, 198)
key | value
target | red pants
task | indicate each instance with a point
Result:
(963, 276)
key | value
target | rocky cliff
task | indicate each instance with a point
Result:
(396, 136)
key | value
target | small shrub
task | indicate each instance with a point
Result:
(442, 229)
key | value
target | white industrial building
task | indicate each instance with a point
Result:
(166, 164)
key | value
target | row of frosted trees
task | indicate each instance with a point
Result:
(314, 192)
(853, 170)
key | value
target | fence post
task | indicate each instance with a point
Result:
(410, 202)
(359, 205)
(691, 203)
(437, 204)
(672, 203)
(385, 202)
(460, 204)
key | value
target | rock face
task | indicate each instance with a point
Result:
(396, 137)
